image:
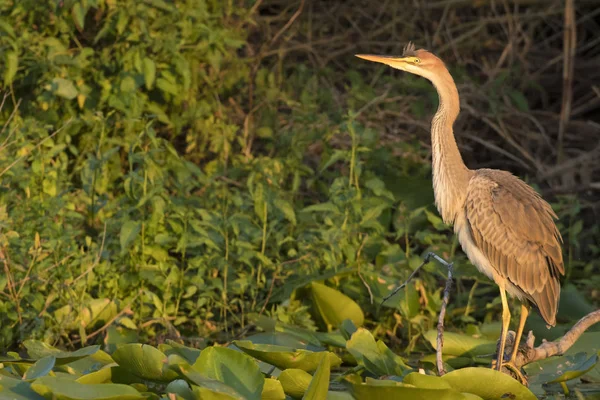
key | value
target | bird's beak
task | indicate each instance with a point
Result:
(388, 60)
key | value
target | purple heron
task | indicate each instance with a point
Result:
(505, 228)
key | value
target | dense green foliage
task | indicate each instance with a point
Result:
(157, 182)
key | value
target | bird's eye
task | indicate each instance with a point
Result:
(417, 60)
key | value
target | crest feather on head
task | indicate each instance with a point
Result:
(409, 50)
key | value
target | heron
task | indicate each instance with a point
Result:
(503, 225)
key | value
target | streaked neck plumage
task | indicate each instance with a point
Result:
(450, 174)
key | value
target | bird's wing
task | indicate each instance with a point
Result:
(514, 228)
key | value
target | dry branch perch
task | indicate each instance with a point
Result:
(529, 354)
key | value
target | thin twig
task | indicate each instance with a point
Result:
(569, 44)
(358, 268)
(445, 299)
(98, 257)
(440, 326)
(36, 147)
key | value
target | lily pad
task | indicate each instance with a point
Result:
(488, 384)
(376, 357)
(426, 381)
(285, 357)
(67, 389)
(295, 382)
(144, 361)
(561, 369)
(334, 306)
(317, 390)
(208, 388)
(396, 390)
(272, 390)
(42, 367)
(456, 344)
(16, 389)
(233, 368)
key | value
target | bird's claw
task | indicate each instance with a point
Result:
(509, 367)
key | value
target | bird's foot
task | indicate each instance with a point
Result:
(509, 368)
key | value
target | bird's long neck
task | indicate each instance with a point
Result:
(450, 174)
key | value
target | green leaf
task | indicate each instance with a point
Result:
(334, 306)
(426, 381)
(16, 389)
(61, 388)
(11, 66)
(181, 388)
(78, 11)
(233, 368)
(285, 357)
(376, 357)
(64, 88)
(386, 389)
(149, 70)
(144, 361)
(457, 344)
(322, 207)
(317, 390)
(562, 369)
(488, 384)
(295, 382)
(519, 100)
(209, 388)
(41, 368)
(286, 209)
(272, 390)
(38, 349)
(129, 232)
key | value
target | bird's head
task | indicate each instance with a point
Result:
(419, 62)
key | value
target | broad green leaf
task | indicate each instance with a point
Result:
(286, 209)
(190, 354)
(488, 384)
(334, 306)
(295, 382)
(376, 357)
(181, 388)
(457, 344)
(272, 390)
(16, 389)
(38, 349)
(11, 67)
(561, 369)
(426, 381)
(149, 69)
(395, 390)
(209, 388)
(286, 357)
(129, 232)
(322, 207)
(103, 375)
(60, 388)
(233, 368)
(319, 385)
(144, 361)
(78, 11)
(64, 88)
(41, 368)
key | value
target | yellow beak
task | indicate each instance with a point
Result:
(380, 59)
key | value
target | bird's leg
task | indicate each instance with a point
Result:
(524, 315)
(505, 323)
(511, 363)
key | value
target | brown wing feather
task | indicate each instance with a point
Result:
(514, 228)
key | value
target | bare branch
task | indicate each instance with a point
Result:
(548, 349)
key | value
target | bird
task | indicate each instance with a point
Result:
(503, 225)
